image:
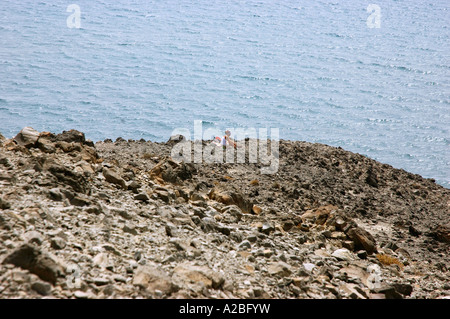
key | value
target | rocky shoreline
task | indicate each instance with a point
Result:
(123, 219)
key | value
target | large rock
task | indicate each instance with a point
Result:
(114, 177)
(37, 262)
(68, 141)
(175, 139)
(319, 215)
(64, 175)
(279, 268)
(42, 288)
(389, 291)
(232, 197)
(152, 279)
(362, 239)
(441, 233)
(170, 171)
(342, 254)
(352, 291)
(71, 136)
(330, 216)
(356, 273)
(197, 277)
(45, 145)
(27, 137)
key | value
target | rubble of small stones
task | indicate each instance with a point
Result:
(123, 219)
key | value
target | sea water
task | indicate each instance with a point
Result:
(369, 76)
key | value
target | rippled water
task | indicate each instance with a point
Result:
(313, 69)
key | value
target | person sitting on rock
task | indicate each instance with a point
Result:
(227, 140)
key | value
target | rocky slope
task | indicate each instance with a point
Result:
(123, 220)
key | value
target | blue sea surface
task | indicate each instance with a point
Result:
(320, 71)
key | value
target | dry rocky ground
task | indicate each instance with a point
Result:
(123, 219)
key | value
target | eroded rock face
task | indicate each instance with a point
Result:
(127, 221)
